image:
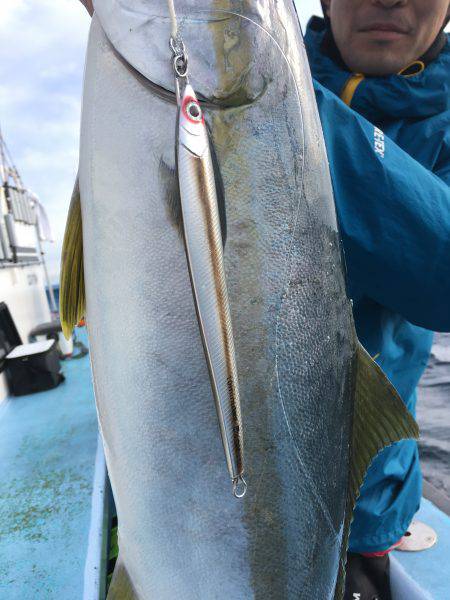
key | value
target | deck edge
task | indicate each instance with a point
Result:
(94, 587)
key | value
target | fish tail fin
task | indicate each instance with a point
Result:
(380, 419)
(121, 587)
(72, 301)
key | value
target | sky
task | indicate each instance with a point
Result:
(42, 47)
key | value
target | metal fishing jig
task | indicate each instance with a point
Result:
(204, 252)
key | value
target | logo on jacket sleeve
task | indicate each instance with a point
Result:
(378, 142)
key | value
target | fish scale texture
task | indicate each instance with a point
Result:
(181, 532)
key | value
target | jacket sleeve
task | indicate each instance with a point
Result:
(394, 217)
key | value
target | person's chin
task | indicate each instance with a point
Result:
(375, 61)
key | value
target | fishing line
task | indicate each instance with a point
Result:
(173, 18)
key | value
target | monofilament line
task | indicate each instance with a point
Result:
(173, 19)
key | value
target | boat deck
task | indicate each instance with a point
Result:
(52, 481)
(425, 575)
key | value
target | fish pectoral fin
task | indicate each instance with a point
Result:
(169, 178)
(72, 302)
(380, 419)
(220, 188)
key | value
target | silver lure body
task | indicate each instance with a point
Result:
(181, 533)
(204, 243)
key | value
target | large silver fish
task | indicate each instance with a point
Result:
(315, 407)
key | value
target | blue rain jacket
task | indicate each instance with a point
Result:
(389, 157)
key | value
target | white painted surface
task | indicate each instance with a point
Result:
(23, 290)
(28, 349)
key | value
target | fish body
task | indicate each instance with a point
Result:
(309, 393)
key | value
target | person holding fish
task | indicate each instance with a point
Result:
(389, 152)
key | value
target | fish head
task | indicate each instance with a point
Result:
(225, 40)
(192, 129)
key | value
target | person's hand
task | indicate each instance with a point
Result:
(88, 5)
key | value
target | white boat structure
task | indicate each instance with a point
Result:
(24, 280)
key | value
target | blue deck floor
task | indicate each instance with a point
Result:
(430, 569)
(48, 444)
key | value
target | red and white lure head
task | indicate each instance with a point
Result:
(191, 123)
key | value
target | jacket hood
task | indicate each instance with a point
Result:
(383, 98)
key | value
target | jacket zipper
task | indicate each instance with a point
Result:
(350, 88)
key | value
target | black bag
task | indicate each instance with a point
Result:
(368, 577)
(33, 368)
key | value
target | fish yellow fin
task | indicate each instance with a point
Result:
(121, 587)
(72, 301)
(380, 419)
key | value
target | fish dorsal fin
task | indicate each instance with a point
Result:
(380, 418)
(72, 301)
